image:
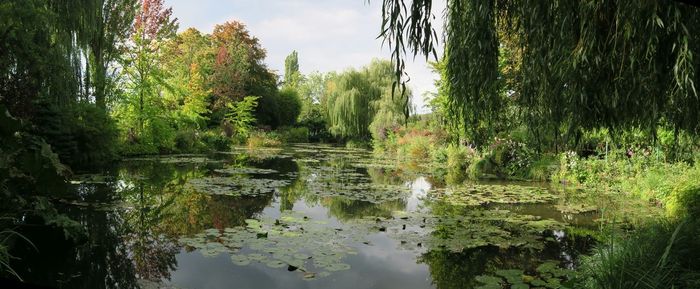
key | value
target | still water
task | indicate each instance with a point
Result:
(306, 216)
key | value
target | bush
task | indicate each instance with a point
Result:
(544, 168)
(511, 158)
(356, 144)
(82, 135)
(216, 141)
(439, 156)
(659, 255)
(481, 168)
(684, 199)
(263, 139)
(294, 134)
(186, 141)
(418, 148)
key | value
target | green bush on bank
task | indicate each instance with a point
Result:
(81, 134)
(294, 134)
(675, 186)
(659, 255)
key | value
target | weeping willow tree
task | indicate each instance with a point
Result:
(360, 102)
(582, 64)
(59, 51)
(349, 109)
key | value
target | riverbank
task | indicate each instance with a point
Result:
(650, 204)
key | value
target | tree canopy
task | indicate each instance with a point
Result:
(581, 64)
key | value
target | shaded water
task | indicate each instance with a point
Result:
(307, 216)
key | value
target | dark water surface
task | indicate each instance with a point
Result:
(307, 216)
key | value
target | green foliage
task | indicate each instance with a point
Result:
(349, 113)
(145, 125)
(543, 168)
(289, 107)
(27, 164)
(294, 134)
(30, 174)
(187, 141)
(241, 115)
(260, 139)
(311, 94)
(239, 69)
(292, 76)
(512, 158)
(569, 66)
(458, 157)
(360, 104)
(81, 134)
(660, 255)
(216, 141)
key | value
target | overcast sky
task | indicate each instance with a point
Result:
(330, 35)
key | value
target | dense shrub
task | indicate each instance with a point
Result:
(294, 134)
(263, 139)
(659, 255)
(216, 141)
(186, 141)
(278, 109)
(543, 168)
(82, 135)
(511, 158)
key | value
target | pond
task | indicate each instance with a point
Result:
(305, 216)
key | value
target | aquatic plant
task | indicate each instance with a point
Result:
(476, 195)
(293, 241)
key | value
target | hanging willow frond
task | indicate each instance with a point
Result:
(584, 64)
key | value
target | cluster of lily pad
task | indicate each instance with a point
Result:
(245, 171)
(237, 185)
(293, 241)
(548, 275)
(479, 194)
(327, 181)
(176, 159)
(473, 229)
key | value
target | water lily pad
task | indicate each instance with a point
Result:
(486, 279)
(257, 257)
(477, 195)
(489, 286)
(309, 276)
(245, 171)
(275, 264)
(512, 276)
(240, 260)
(338, 267)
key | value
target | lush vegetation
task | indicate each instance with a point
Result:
(591, 94)
(596, 98)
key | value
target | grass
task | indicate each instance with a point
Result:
(263, 140)
(6, 236)
(659, 255)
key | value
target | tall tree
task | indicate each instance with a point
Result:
(143, 71)
(113, 26)
(239, 69)
(292, 76)
(354, 99)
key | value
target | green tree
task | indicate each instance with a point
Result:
(114, 19)
(239, 69)
(580, 65)
(141, 113)
(241, 115)
(292, 76)
(290, 107)
(354, 98)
